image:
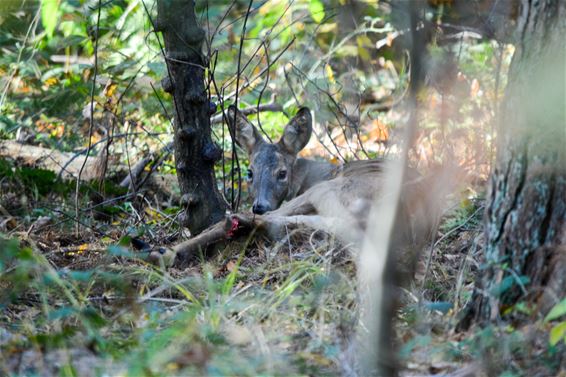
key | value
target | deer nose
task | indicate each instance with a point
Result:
(261, 208)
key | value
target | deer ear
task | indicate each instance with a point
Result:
(246, 134)
(298, 132)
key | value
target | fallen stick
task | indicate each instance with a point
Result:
(61, 163)
(67, 165)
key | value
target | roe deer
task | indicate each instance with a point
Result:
(320, 196)
(276, 173)
(324, 196)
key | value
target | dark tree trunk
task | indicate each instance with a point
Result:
(525, 220)
(195, 152)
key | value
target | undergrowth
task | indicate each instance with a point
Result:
(92, 306)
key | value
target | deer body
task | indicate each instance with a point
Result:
(307, 173)
(320, 195)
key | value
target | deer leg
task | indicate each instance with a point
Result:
(183, 250)
(276, 226)
(301, 205)
(221, 231)
(309, 202)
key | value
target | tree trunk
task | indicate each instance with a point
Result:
(525, 220)
(195, 153)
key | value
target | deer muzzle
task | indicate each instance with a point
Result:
(261, 207)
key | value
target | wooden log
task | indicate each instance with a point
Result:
(65, 164)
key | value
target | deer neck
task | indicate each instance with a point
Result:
(307, 173)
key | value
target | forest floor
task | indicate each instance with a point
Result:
(88, 304)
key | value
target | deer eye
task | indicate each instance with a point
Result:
(250, 175)
(282, 175)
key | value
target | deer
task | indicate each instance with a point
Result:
(290, 190)
(293, 192)
(276, 173)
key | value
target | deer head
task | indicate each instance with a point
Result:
(271, 169)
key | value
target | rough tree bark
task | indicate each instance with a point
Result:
(525, 220)
(195, 152)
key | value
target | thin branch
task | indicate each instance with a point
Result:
(266, 107)
(161, 104)
(164, 56)
(238, 73)
(256, 77)
(266, 81)
(91, 124)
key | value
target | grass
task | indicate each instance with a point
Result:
(90, 305)
(246, 315)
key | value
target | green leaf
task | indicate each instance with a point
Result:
(441, 306)
(49, 15)
(347, 50)
(557, 333)
(317, 10)
(508, 283)
(557, 311)
(91, 315)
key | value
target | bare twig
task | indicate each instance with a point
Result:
(161, 104)
(273, 107)
(265, 82)
(91, 120)
(135, 172)
(260, 74)
(236, 203)
(164, 153)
